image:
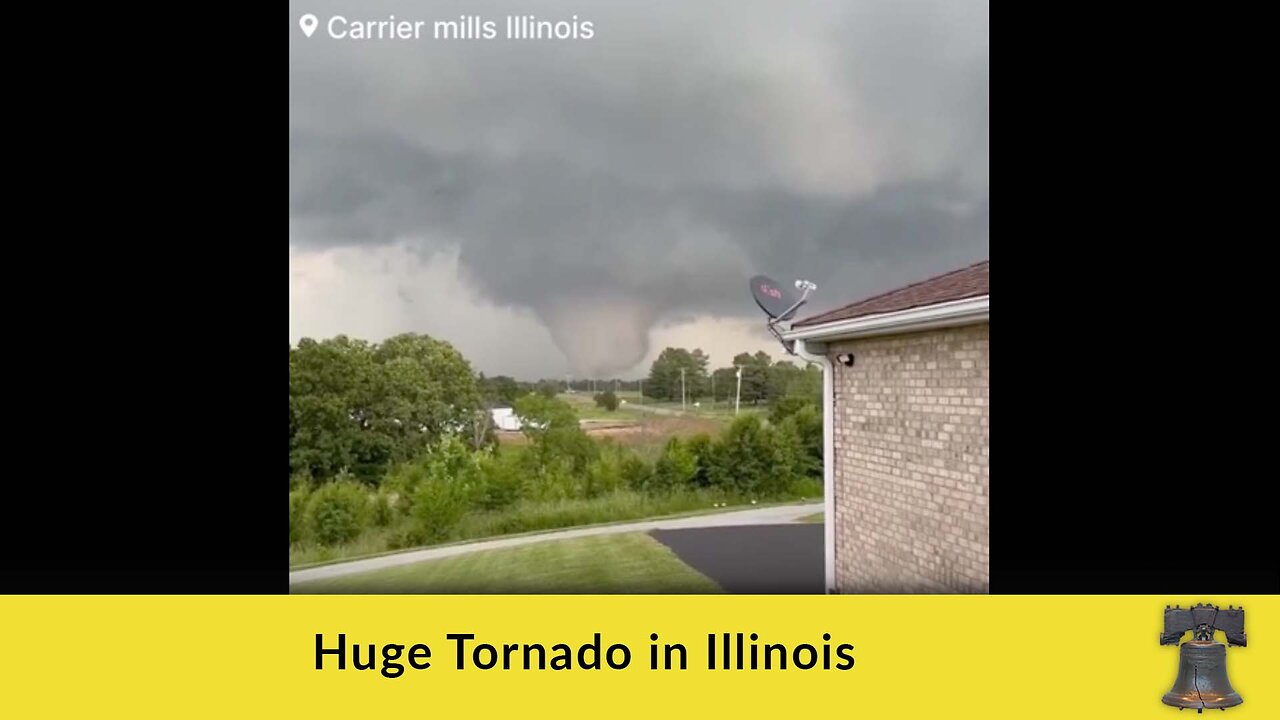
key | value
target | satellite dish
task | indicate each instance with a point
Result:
(779, 304)
(772, 297)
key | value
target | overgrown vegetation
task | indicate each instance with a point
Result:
(413, 463)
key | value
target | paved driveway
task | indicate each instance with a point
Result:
(753, 559)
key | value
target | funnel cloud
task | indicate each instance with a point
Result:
(592, 194)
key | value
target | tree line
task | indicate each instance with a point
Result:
(764, 381)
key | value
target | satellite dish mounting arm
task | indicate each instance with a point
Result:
(807, 287)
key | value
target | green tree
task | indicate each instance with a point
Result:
(481, 431)
(801, 389)
(428, 389)
(443, 496)
(607, 400)
(778, 378)
(330, 404)
(787, 380)
(725, 384)
(755, 459)
(499, 390)
(364, 407)
(554, 433)
(665, 375)
(755, 376)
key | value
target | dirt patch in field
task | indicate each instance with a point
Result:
(658, 429)
(650, 431)
(613, 431)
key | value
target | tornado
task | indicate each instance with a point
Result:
(600, 337)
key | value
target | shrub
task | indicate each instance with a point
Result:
(700, 445)
(337, 511)
(785, 459)
(554, 434)
(785, 407)
(438, 505)
(406, 537)
(675, 469)
(742, 458)
(806, 488)
(499, 481)
(635, 472)
(604, 474)
(380, 508)
(402, 481)
(298, 514)
(808, 425)
(443, 494)
(607, 400)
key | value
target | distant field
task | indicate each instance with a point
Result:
(624, 563)
(638, 428)
(644, 433)
(721, 410)
(637, 407)
(588, 410)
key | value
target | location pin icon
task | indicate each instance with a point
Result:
(308, 23)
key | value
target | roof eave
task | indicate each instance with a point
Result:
(967, 311)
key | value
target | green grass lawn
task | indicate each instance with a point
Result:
(814, 518)
(623, 563)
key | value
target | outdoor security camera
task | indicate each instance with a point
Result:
(845, 359)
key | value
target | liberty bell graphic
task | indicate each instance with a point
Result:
(1202, 662)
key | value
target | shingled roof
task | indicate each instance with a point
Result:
(972, 281)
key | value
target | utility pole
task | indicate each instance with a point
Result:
(641, 391)
(713, 388)
(738, 400)
(681, 389)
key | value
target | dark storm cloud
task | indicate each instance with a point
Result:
(647, 172)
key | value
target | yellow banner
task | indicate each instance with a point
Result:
(866, 656)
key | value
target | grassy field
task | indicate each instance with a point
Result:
(641, 432)
(588, 410)
(535, 516)
(624, 563)
(636, 408)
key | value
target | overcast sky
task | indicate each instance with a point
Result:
(564, 207)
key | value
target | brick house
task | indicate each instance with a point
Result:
(906, 425)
